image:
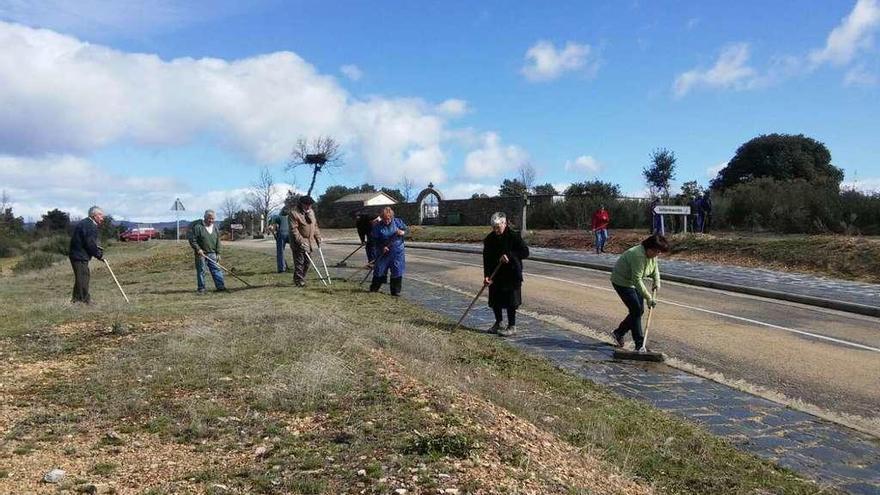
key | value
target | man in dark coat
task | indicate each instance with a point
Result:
(503, 252)
(83, 247)
(364, 224)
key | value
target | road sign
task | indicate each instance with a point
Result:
(672, 210)
(236, 226)
(177, 206)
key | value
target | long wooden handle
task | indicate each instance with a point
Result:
(648, 323)
(116, 280)
(474, 301)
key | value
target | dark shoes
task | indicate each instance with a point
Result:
(495, 328)
(617, 338)
(201, 292)
(396, 286)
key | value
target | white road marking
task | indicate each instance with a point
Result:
(687, 306)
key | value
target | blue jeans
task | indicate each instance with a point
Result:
(601, 239)
(281, 240)
(633, 321)
(216, 273)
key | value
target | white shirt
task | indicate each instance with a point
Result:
(210, 228)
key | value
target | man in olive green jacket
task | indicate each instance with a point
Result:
(204, 239)
(632, 267)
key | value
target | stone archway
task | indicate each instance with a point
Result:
(429, 205)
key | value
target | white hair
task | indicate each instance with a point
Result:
(497, 218)
(94, 211)
(211, 213)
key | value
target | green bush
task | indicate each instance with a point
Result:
(56, 244)
(9, 246)
(796, 206)
(36, 260)
(577, 213)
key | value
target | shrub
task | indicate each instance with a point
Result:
(9, 246)
(577, 213)
(56, 244)
(36, 260)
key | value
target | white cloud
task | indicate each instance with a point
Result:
(712, 171)
(731, 71)
(860, 76)
(544, 62)
(73, 184)
(352, 72)
(464, 190)
(870, 185)
(583, 164)
(852, 35)
(692, 23)
(453, 107)
(493, 158)
(63, 96)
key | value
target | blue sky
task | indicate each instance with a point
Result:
(129, 104)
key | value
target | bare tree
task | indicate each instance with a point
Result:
(230, 207)
(406, 186)
(319, 153)
(527, 176)
(5, 201)
(262, 197)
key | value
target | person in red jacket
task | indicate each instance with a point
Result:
(600, 228)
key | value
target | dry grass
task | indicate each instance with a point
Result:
(274, 390)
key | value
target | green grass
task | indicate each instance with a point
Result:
(227, 372)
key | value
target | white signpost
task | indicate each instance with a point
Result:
(177, 207)
(661, 210)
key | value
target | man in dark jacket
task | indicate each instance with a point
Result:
(83, 247)
(364, 224)
(505, 249)
(204, 239)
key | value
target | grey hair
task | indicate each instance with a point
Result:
(210, 212)
(388, 209)
(497, 218)
(94, 211)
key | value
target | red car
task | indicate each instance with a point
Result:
(139, 234)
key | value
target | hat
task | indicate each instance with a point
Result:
(306, 200)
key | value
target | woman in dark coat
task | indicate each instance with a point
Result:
(505, 249)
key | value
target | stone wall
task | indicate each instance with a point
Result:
(470, 211)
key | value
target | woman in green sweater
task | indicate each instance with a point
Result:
(627, 277)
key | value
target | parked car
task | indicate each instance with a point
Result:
(139, 234)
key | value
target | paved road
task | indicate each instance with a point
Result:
(845, 295)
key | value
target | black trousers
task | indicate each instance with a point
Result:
(511, 314)
(81, 277)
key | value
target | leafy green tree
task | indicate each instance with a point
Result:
(479, 196)
(512, 187)
(54, 221)
(690, 190)
(781, 157)
(594, 188)
(394, 193)
(546, 189)
(661, 171)
(9, 223)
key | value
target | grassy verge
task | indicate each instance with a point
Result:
(278, 390)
